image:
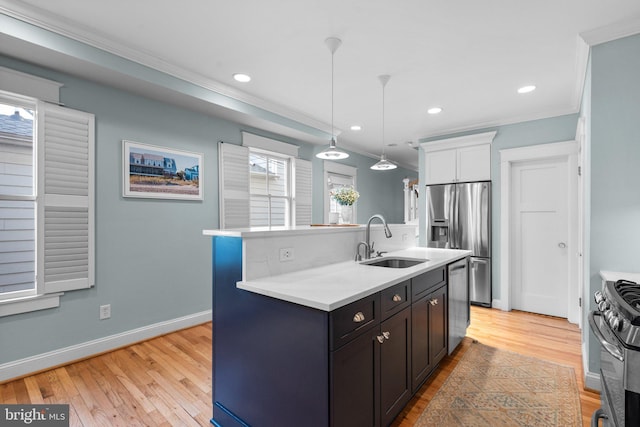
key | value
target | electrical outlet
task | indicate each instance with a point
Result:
(105, 311)
(286, 254)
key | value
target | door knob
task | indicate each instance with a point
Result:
(562, 245)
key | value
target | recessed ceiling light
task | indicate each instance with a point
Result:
(434, 110)
(356, 128)
(527, 89)
(242, 78)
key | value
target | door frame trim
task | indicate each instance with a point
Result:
(566, 149)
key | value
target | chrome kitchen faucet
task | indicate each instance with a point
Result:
(369, 245)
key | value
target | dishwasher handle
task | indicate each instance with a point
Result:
(458, 267)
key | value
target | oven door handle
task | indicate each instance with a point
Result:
(611, 348)
(597, 416)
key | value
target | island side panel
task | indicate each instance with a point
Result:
(270, 357)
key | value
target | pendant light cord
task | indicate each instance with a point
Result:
(332, 152)
(383, 86)
(333, 133)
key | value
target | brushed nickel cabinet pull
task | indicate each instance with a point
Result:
(433, 301)
(380, 339)
(397, 298)
(386, 335)
(358, 317)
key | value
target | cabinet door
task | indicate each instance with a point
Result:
(438, 326)
(420, 360)
(440, 167)
(355, 384)
(474, 163)
(395, 365)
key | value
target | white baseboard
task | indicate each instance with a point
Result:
(50, 359)
(592, 381)
(496, 303)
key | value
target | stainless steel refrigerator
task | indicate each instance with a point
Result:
(459, 217)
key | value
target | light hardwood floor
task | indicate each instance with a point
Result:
(166, 381)
(544, 337)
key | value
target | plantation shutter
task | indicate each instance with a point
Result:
(234, 185)
(303, 190)
(65, 199)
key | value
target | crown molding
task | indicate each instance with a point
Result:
(459, 141)
(88, 36)
(611, 32)
(479, 126)
(582, 61)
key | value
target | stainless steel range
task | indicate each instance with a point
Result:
(616, 324)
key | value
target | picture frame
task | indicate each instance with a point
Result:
(151, 171)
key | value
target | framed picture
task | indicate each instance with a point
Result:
(160, 173)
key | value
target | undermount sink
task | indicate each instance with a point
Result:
(395, 262)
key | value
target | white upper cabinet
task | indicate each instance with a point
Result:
(462, 159)
(474, 163)
(441, 166)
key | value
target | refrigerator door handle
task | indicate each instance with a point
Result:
(456, 218)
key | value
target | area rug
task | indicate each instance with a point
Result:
(492, 387)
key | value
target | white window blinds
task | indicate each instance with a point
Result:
(233, 170)
(65, 199)
(302, 191)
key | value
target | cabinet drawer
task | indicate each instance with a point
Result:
(421, 284)
(350, 321)
(395, 298)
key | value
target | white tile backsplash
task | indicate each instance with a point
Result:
(315, 249)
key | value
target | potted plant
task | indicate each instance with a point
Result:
(346, 197)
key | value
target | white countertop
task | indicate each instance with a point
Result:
(333, 286)
(284, 231)
(613, 276)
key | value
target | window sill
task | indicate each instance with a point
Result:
(30, 303)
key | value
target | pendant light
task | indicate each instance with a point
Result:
(332, 152)
(383, 164)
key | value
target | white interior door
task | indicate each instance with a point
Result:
(540, 233)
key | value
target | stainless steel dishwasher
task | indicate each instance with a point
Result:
(459, 311)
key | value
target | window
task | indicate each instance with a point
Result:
(46, 203)
(269, 189)
(337, 175)
(262, 183)
(17, 198)
(334, 182)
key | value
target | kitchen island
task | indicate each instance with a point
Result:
(341, 343)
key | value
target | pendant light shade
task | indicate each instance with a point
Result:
(332, 152)
(383, 164)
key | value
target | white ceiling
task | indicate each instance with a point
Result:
(468, 57)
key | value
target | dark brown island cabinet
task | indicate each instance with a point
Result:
(276, 363)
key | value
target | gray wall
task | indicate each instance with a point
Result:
(152, 262)
(544, 131)
(615, 155)
(381, 192)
